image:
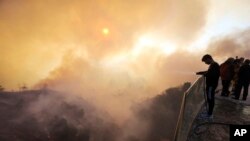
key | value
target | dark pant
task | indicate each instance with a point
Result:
(210, 91)
(225, 87)
(238, 89)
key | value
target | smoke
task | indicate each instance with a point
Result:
(63, 43)
(156, 118)
(116, 87)
(107, 83)
(107, 88)
(116, 91)
(41, 32)
(235, 44)
(49, 115)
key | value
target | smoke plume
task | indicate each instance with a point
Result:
(99, 76)
(49, 115)
(235, 44)
(42, 32)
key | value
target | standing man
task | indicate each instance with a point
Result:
(212, 77)
(226, 74)
(243, 81)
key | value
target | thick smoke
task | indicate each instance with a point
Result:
(110, 73)
(235, 44)
(116, 88)
(106, 85)
(40, 32)
(52, 116)
(156, 117)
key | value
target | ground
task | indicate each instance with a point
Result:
(226, 111)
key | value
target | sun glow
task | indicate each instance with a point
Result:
(143, 46)
(157, 45)
(105, 31)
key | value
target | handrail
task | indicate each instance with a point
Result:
(195, 82)
(183, 106)
(179, 117)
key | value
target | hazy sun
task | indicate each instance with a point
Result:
(105, 31)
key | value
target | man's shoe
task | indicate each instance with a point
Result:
(244, 99)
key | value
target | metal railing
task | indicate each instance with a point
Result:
(192, 102)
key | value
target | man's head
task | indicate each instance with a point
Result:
(207, 59)
(242, 60)
(230, 60)
(247, 62)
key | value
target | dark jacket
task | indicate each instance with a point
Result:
(212, 75)
(226, 71)
(244, 74)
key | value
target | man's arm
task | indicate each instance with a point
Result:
(201, 73)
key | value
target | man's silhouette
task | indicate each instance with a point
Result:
(243, 81)
(212, 76)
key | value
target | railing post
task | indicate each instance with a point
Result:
(180, 117)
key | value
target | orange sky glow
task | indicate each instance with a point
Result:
(154, 44)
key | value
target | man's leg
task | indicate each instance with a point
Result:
(223, 92)
(238, 90)
(227, 84)
(245, 92)
(210, 99)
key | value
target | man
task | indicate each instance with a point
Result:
(226, 73)
(236, 65)
(243, 80)
(212, 77)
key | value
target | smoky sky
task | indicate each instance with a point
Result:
(41, 32)
(235, 44)
(60, 44)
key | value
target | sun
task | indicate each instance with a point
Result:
(105, 31)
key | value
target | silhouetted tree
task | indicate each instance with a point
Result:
(1, 88)
(24, 88)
